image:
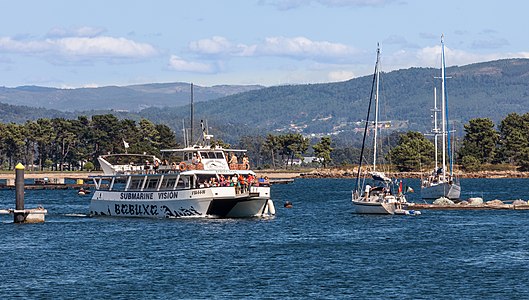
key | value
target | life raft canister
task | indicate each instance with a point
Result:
(182, 166)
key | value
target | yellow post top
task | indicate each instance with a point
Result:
(20, 166)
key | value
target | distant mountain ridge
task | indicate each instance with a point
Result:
(489, 89)
(122, 98)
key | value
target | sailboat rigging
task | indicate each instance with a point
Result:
(381, 198)
(440, 183)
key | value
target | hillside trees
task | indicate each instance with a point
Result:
(61, 143)
(284, 148)
(480, 140)
(413, 150)
(323, 150)
(514, 137)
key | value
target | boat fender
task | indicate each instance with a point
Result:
(271, 208)
(182, 166)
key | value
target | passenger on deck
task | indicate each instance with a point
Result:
(242, 182)
(156, 166)
(367, 190)
(222, 181)
(266, 181)
(195, 160)
(251, 180)
(233, 159)
(235, 183)
(174, 167)
(245, 162)
(147, 167)
(213, 181)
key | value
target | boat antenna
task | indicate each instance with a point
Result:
(192, 114)
(367, 120)
(184, 132)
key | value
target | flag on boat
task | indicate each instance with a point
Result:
(126, 144)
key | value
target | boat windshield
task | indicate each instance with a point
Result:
(211, 154)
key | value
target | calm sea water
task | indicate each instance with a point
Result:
(317, 249)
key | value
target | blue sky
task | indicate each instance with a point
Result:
(269, 42)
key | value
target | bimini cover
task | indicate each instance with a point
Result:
(380, 176)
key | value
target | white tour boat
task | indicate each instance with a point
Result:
(200, 184)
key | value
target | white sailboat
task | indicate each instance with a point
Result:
(441, 183)
(381, 198)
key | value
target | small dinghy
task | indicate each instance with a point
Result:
(407, 212)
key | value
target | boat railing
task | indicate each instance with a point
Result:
(239, 167)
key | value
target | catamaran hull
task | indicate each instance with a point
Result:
(216, 202)
(447, 190)
(380, 208)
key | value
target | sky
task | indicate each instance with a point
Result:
(71, 44)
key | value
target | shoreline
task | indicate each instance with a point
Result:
(288, 174)
(349, 173)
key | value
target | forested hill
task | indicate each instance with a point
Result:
(131, 98)
(491, 90)
(485, 90)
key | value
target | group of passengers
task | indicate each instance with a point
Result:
(234, 162)
(196, 164)
(240, 182)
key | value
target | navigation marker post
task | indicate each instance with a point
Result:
(20, 214)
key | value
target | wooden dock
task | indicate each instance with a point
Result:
(425, 206)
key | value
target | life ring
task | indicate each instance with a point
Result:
(182, 166)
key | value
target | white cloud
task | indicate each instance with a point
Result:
(104, 46)
(79, 48)
(303, 48)
(297, 48)
(220, 46)
(334, 76)
(178, 64)
(214, 45)
(431, 57)
(84, 31)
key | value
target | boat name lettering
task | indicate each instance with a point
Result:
(136, 209)
(198, 192)
(167, 195)
(139, 196)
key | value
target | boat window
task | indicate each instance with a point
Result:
(219, 155)
(183, 183)
(168, 183)
(204, 154)
(136, 183)
(152, 183)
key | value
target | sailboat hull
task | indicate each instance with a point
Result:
(444, 189)
(379, 208)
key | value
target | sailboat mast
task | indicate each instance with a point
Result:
(443, 105)
(445, 100)
(376, 110)
(192, 116)
(435, 128)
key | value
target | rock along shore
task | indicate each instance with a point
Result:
(351, 173)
